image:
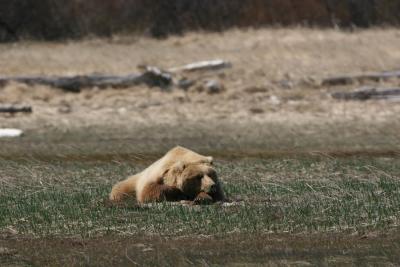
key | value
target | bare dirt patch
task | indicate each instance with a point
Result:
(238, 250)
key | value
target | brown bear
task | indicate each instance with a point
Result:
(180, 175)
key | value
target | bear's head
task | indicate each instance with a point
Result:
(193, 178)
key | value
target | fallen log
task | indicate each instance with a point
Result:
(152, 77)
(216, 64)
(351, 79)
(15, 109)
(367, 93)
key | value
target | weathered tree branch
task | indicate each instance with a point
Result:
(367, 93)
(15, 109)
(152, 77)
(351, 79)
(215, 64)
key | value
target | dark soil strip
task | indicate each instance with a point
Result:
(315, 249)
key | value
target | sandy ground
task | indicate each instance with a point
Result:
(261, 87)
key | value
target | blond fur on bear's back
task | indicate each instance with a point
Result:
(153, 173)
(158, 168)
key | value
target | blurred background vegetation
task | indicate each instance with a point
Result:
(55, 19)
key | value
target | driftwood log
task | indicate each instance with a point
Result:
(15, 109)
(152, 77)
(351, 79)
(367, 93)
(215, 64)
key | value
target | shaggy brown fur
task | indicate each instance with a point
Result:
(180, 175)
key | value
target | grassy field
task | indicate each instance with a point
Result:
(280, 195)
(286, 195)
(288, 208)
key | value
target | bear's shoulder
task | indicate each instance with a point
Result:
(185, 155)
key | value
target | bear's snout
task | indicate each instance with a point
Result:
(212, 189)
(208, 185)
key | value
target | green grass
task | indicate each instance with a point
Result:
(315, 194)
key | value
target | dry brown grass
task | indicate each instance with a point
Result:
(272, 53)
(260, 58)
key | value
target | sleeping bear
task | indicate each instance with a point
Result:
(180, 175)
